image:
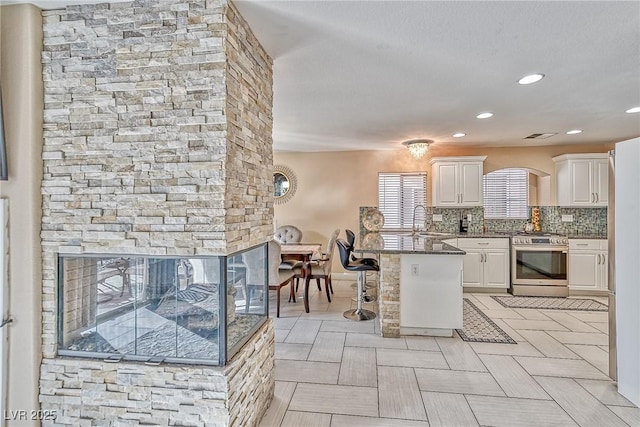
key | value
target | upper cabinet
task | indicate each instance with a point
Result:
(457, 181)
(582, 179)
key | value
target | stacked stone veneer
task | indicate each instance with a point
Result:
(389, 295)
(98, 393)
(157, 141)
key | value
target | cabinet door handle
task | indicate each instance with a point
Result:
(592, 198)
(598, 261)
(597, 198)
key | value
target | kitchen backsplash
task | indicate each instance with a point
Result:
(586, 221)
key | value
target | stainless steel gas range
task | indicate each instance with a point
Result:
(539, 265)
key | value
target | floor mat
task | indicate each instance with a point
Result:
(477, 327)
(551, 303)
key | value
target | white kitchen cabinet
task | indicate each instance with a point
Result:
(588, 265)
(582, 180)
(486, 264)
(457, 181)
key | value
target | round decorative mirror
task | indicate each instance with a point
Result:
(284, 184)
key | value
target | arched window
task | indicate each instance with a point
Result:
(506, 194)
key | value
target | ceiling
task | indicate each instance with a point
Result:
(367, 75)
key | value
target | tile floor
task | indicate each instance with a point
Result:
(334, 372)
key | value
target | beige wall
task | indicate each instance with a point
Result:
(333, 185)
(21, 76)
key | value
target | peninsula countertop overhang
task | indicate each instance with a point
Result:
(406, 243)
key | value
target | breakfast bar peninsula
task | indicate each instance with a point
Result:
(420, 283)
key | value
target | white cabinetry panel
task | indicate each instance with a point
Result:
(486, 263)
(582, 180)
(430, 294)
(447, 184)
(457, 181)
(588, 265)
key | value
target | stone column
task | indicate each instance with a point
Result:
(389, 295)
(157, 141)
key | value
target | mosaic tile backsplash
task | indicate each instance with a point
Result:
(586, 221)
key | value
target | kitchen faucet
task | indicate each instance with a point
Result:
(415, 230)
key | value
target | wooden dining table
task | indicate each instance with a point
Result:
(300, 252)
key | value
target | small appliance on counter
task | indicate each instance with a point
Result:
(464, 224)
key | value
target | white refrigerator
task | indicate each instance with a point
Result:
(624, 268)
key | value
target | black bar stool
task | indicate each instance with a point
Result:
(351, 240)
(361, 265)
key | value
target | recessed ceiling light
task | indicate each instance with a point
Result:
(633, 110)
(532, 78)
(574, 131)
(459, 135)
(484, 115)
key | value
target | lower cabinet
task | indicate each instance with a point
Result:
(588, 265)
(486, 264)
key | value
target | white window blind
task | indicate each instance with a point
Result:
(506, 193)
(398, 195)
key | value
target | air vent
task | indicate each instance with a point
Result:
(539, 136)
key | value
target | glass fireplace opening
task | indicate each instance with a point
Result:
(160, 309)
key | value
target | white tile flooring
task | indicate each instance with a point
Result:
(334, 372)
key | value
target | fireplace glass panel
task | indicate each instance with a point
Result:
(184, 310)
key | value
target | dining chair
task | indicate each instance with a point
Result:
(288, 234)
(278, 278)
(322, 270)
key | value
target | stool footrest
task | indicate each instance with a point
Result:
(359, 315)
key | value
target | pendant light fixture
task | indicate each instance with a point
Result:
(417, 147)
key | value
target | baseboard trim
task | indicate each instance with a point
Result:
(581, 293)
(346, 275)
(485, 290)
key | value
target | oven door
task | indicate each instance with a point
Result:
(539, 265)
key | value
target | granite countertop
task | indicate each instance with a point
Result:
(404, 243)
(507, 234)
(488, 234)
